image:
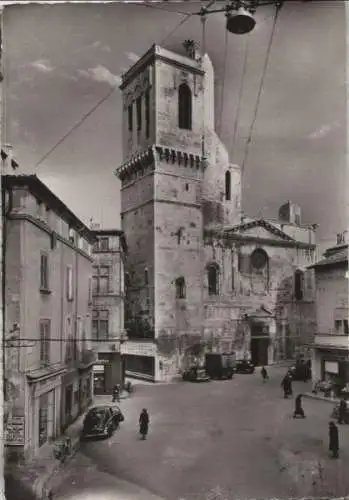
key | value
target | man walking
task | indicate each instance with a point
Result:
(264, 374)
(342, 411)
(286, 384)
(334, 440)
(298, 411)
(144, 423)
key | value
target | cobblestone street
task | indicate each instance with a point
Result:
(232, 439)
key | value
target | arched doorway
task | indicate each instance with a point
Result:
(259, 343)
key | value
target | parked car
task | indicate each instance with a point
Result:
(220, 366)
(244, 366)
(195, 374)
(301, 371)
(101, 421)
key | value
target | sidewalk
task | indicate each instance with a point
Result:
(36, 475)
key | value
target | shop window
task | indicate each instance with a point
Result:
(180, 288)
(213, 279)
(184, 107)
(44, 276)
(45, 326)
(346, 327)
(227, 185)
(299, 285)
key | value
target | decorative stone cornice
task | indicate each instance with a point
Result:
(178, 157)
(139, 162)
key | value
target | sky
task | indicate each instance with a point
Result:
(60, 60)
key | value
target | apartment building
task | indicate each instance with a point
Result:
(48, 314)
(108, 308)
(331, 344)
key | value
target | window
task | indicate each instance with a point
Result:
(259, 259)
(44, 283)
(45, 342)
(186, 186)
(232, 278)
(213, 279)
(139, 113)
(101, 280)
(147, 114)
(130, 117)
(180, 288)
(146, 276)
(90, 289)
(69, 283)
(297, 219)
(184, 107)
(298, 284)
(346, 327)
(179, 235)
(338, 325)
(104, 244)
(100, 324)
(228, 185)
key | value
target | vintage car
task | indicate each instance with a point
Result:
(301, 371)
(101, 421)
(195, 374)
(244, 366)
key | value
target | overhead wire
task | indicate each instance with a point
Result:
(186, 18)
(223, 81)
(260, 90)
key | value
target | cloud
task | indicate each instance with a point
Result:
(42, 65)
(323, 130)
(132, 56)
(101, 74)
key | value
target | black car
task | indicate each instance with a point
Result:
(244, 366)
(195, 374)
(101, 421)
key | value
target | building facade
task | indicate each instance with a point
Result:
(331, 344)
(108, 308)
(199, 275)
(48, 314)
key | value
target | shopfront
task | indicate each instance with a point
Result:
(140, 359)
(107, 372)
(332, 366)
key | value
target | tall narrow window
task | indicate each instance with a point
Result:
(213, 279)
(228, 185)
(184, 107)
(130, 117)
(299, 284)
(45, 342)
(104, 244)
(180, 288)
(44, 283)
(146, 276)
(69, 283)
(232, 277)
(147, 114)
(139, 113)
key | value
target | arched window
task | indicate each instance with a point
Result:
(299, 284)
(180, 288)
(184, 107)
(259, 260)
(213, 279)
(228, 185)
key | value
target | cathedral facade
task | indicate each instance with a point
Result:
(200, 276)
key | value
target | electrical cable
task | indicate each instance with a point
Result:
(188, 16)
(151, 6)
(265, 67)
(80, 122)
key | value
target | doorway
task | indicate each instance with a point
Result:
(259, 344)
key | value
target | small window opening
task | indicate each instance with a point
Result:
(139, 113)
(180, 288)
(184, 107)
(147, 114)
(298, 285)
(130, 118)
(213, 279)
(228, 185)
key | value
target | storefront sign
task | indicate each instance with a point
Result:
(331, 367)
(14, 434)
(139, 348)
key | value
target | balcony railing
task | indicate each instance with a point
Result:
(333, 340)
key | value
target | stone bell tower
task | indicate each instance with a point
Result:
(161, 193)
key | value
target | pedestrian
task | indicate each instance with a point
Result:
(298, 411)
(287, 386)
(342, 411)
(264, 374)
(50, 495)
(116, 393)
(144, 423)
(333, 440)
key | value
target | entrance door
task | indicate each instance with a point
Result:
(259, 351)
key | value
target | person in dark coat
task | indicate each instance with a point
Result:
(334, 440)
(144, 423)
(286, 384)
(298, 411)
(342, 411)
(264, 374)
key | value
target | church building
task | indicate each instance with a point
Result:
(199, 275)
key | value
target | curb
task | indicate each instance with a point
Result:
(310, 395)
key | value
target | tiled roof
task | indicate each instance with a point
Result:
(336, 258)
